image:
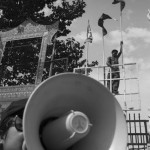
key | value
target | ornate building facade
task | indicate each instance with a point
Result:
(27, 30)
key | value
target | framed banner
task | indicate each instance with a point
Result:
(23, 56)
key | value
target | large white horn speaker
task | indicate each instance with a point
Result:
(64, 102)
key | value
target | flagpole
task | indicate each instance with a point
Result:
(103, 49)
(122, 55)
(103, 56)
(121, 34)
(87, 49)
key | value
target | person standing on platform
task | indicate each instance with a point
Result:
(113, 62)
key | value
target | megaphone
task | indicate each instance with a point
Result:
(74, 112)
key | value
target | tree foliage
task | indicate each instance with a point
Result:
(20, 59)
(67, 57)
(15, 12)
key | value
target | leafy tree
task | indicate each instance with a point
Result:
(20, 61)
(15, 12)
(21, 57)
(67, 56)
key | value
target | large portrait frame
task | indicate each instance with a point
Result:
(27, 30)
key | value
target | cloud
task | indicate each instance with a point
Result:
(133, 37)
(47, 11)
(144, 66)
(115, 38)
(128, 14)
(81, 37)
(70, 2)
(58, 3)
(131, 33)
(96, 37)
(142, 33)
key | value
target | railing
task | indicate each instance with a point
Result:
(138, 136)
(129, 94)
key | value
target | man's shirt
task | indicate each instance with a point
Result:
(113, 61)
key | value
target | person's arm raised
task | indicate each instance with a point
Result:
(121, 48)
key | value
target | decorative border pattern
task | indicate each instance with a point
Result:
(15, 92)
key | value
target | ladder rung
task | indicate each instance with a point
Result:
(127, 93)
(119, 79)
(128, 78)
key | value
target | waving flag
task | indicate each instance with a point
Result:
(101, 22)
(89, 34)
(148, 15)
(122, 3)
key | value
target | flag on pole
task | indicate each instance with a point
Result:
(89, 37)
(122, 3)
(148, 15)
(101, 22)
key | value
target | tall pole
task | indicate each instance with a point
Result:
(103, 49)
(121, 33)
(88, 40)
(103, 56)
(124, 74)
(87, 51)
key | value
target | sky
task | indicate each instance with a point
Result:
(136, 37)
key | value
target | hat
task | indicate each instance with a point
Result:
(114, 50)
(15, 108)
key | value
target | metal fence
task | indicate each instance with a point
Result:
(129, 90)
(138, 136)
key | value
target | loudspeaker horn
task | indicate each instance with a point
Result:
(61, 103)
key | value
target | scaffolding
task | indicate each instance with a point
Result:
(129, 91)
(128, 98)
